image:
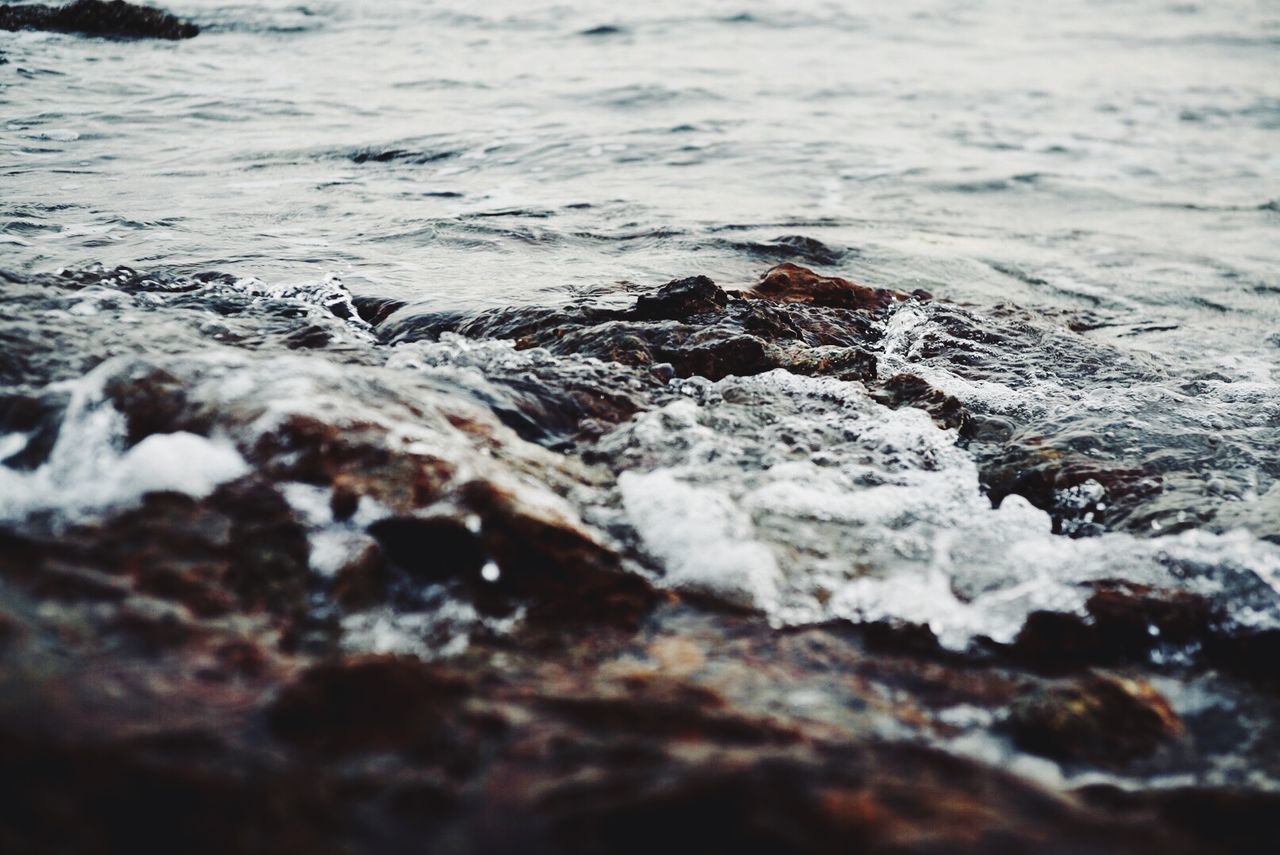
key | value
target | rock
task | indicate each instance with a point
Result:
(545, 560)
(1125, 624)
(365, 704)
(363, 581)
(37, 416)
(790, 283)
(375, 310)
(1098, 719)
(1082, 495)
(1226, 820)
(115, 20)
(908, 390)
(681, 298)
(431, 549)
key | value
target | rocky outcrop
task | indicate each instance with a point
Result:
(394, 629)
(115, 19)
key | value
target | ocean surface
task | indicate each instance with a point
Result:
(1093, 185)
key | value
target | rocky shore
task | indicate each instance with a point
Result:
(282, 569)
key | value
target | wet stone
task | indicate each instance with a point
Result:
(790, 283)
(1098, 719)
(115, 20)
(364, 704)
(680, 299)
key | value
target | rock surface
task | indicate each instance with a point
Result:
(113, 19)
(399, 606)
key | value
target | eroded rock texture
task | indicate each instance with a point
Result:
(303, 572)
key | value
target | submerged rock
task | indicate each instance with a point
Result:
(1099, 719)
(115, 19)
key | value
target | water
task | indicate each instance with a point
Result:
(1123, 154)
(1092, 195)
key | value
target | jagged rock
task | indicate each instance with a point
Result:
(115, 19)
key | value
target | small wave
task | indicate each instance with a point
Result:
(400, 155)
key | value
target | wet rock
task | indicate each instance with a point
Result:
(363, 581)
(375, 310)
(1098, 719)
(559, 569)
(1125, 623)
(604, 30)
(681, 299)
(1129, 617)
(241, 549)
(365, 704)
(156, 795)
(431, 549)
(1250, 653)
(790, 283)
(908, 390)
(819, 326)
(1225, 820)
(37, 416)
(1082, 495)
(882, 798)
(115, 19)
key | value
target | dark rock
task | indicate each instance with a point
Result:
(240, 549)
(365, 704)
(908, 390)
(375, 310)
(560, 571)
(115, 19)
(1099, 719)
(1125, 624)
(1226, 820)
(389, 155)
(681, 298)
(1045, 476)
(431, 549)
(1134, 618)
(363, 581)
(38, 416)
(156, 796)
(1249, 653)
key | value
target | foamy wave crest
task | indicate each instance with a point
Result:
(801, 497)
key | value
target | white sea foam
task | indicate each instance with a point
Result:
(90, 469)
(808, 501)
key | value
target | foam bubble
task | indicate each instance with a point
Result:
(801, 497)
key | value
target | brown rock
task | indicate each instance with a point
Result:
(1100, 719)
(365, 704)
(791, 283)
(908, 390)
